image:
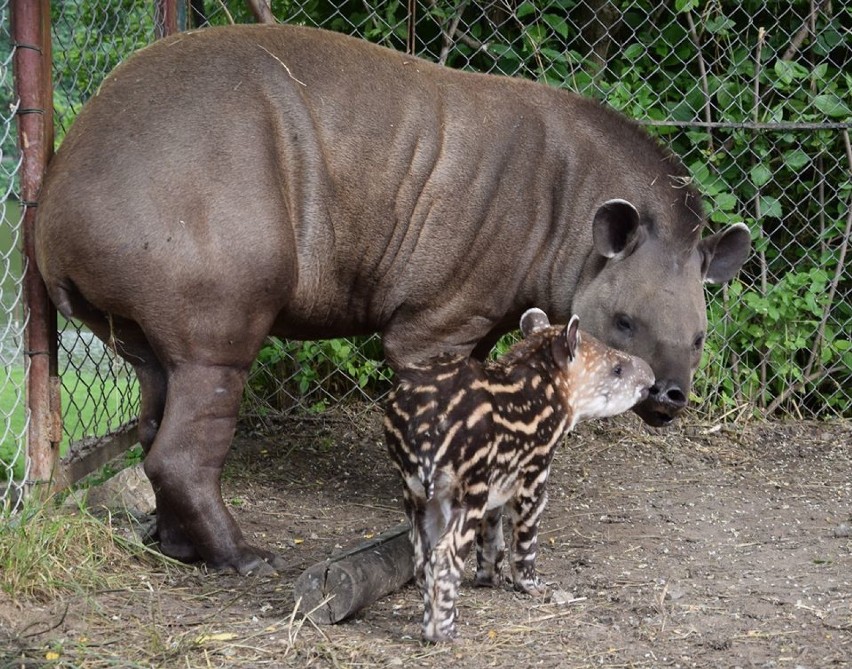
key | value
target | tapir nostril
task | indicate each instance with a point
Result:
(668, 394)
(676, 397)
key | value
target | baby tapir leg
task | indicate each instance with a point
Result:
(443, 572)
(490, 549)
(525, 511)
(421, 541)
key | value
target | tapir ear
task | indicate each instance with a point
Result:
(566, 342)
(532, 320)
(723, 254)
(615, 229)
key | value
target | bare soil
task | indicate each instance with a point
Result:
(700, 546)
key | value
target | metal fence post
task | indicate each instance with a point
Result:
(32, 63)
(165, 18)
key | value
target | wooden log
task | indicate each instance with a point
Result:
(334, 589)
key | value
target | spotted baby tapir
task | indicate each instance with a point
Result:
(469, 438)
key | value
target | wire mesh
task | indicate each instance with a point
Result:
(99, 393)
(12, 377)
(753, 96)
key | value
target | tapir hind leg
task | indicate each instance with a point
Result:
(128, 340)
(153, 389)
(185, 463)
(186, 424)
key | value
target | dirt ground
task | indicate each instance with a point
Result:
(700, 546)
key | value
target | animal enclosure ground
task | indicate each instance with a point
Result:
(700, 546)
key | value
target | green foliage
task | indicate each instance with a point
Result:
(90, 39)
(765, 344)
(313, 372)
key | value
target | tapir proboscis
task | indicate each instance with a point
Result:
(234, 182)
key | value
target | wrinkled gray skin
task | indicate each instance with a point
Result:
(235, 182)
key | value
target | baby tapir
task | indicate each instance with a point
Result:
(470, 437)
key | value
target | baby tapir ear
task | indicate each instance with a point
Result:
(566, 343)
(532, 320)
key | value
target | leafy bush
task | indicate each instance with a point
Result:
(313, 373)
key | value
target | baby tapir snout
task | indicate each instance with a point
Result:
(594, 379)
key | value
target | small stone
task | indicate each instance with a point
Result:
(129, 490)
(675, 593)
(561, 597)
(843, 531)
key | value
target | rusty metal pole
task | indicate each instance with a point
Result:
(32, 65)
(165, 18)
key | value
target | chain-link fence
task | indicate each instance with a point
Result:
(99, 391)
(12, 391)
(754, 96)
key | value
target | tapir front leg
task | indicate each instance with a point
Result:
(185, 463)
(525, 511)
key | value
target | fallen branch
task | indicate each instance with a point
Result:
(344, 584)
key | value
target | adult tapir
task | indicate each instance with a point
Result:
(234, 182)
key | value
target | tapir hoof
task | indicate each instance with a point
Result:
(170, 543)
(249, 561)
(252, 562)
(534, 588)
(439, 636)
(485, 579)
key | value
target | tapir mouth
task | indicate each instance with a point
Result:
(655, 413)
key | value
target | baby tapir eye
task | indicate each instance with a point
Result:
(617, 370)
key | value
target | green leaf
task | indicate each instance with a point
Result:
(770, 207)
(760, 175)
(525, 9)
(558, 24)
(725, 202)
(810, 300)
(788, 70)
(796, 159)
(832, 105)
(633, 52)
(536, 35)
(685, 5)
(735, 288)
(719, 24)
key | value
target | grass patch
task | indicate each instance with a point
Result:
(47, 552)
(77, 593)
(91, 405)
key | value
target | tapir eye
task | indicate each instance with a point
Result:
(698, 343)
(617, 370)
(623, 324)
